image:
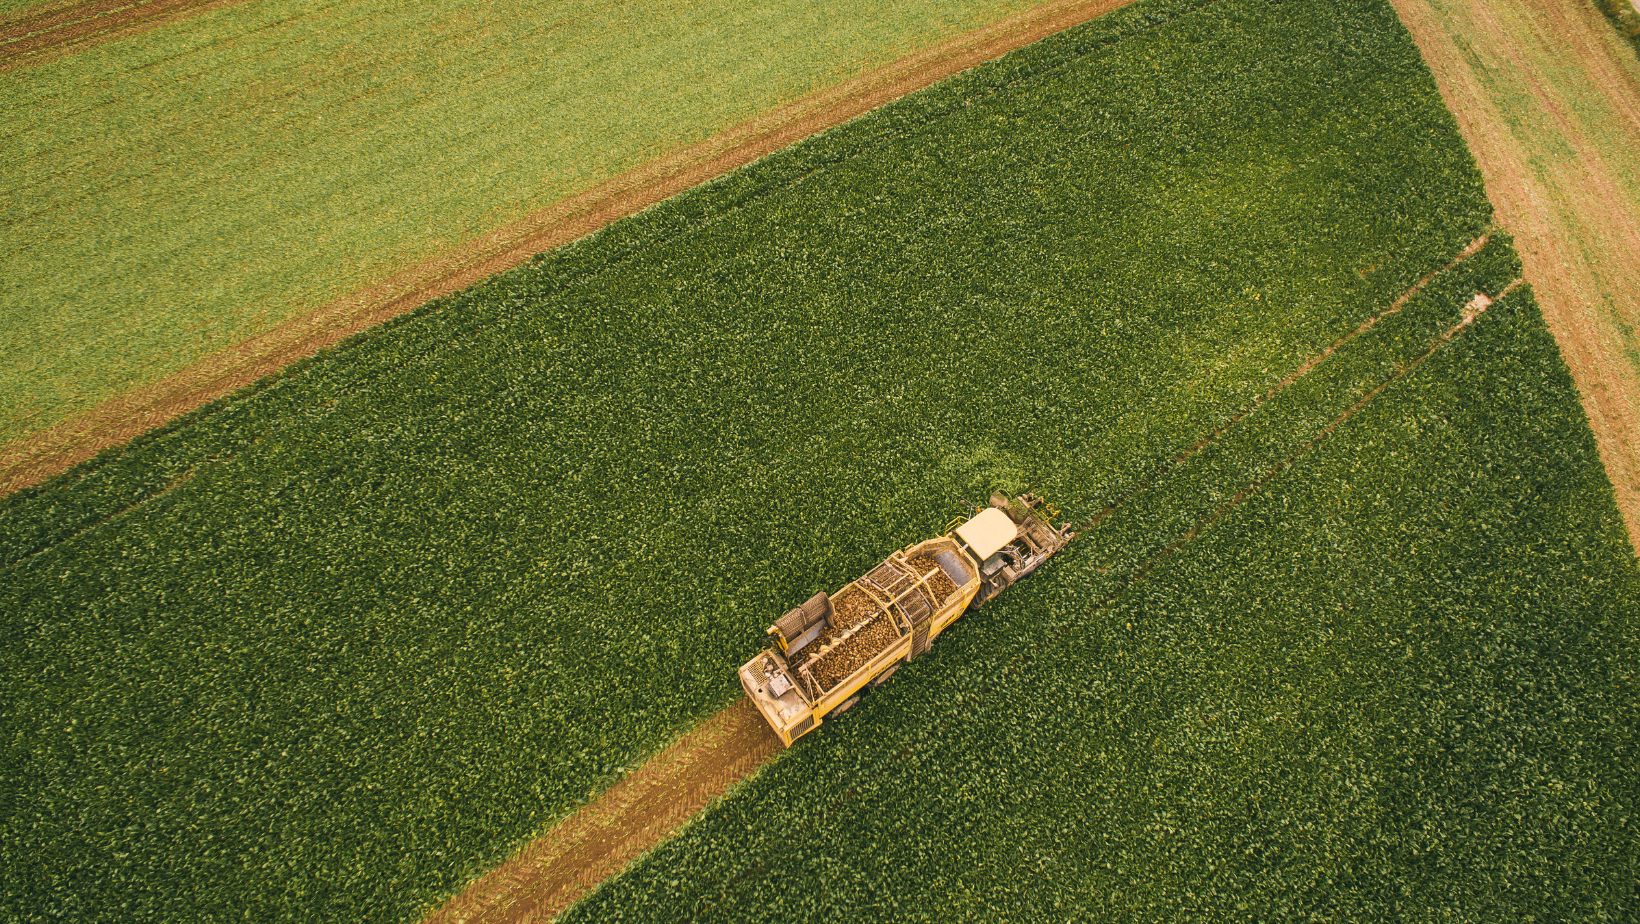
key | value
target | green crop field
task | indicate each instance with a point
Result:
(170, 194)
(1396, 684)
(327, 649)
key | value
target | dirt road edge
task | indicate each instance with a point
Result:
(1575, 226)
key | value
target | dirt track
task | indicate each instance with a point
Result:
(46, 32)
(59, 448)
(1548, 97)
(634, 815)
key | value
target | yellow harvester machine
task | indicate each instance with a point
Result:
(832, 647)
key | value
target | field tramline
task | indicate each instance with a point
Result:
(1190, 719)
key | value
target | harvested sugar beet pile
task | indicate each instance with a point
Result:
(855, 652)
(939, 585)
(850, 609)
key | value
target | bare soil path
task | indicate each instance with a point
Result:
(42, 33)
(1548, 97)
(634, 815)
(56, 449)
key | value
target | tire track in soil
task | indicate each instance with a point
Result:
(45, 34)
(58, 448)
(1476, 307)
(1474, 247)
(655, 800)
(1547, 97)
(634, 815)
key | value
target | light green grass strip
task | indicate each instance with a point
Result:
(167, 195)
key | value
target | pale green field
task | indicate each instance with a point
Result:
(8, 7)
(167, 195)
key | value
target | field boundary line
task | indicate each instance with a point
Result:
(1473, 247)
(45, 34)
(1547, 99)
(58, 448)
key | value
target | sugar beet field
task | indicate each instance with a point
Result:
(1358, 645)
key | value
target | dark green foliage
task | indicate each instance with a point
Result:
(323, 650)
(1398, 683)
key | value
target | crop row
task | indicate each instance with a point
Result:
(330, 647)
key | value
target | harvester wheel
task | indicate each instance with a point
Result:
(846, 706)
(880, 678)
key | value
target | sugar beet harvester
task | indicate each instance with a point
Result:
(832, 647)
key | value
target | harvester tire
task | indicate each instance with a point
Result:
(846, 706)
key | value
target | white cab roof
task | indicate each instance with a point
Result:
(988, 531)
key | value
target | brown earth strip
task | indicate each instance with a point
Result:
(56, 449)
(45, 33)
(637, 813)
(1548, 98)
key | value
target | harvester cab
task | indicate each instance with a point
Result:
(1010, 539)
